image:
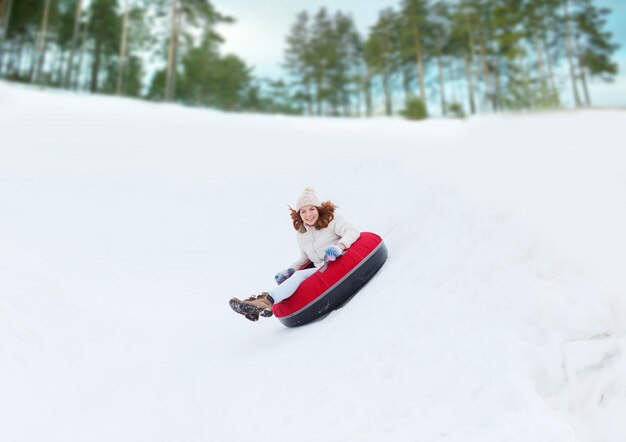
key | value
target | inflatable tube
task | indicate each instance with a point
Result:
(328, 288)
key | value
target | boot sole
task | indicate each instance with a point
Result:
(251, 312)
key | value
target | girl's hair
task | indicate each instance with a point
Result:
(326, 212)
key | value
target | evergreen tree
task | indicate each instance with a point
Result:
(71, 21)
(460, 44)
(104, 30)
(509, 52)
(6, 8)
(415, 19)
(568, 35)
(345, 43)
(199, 74)
(186, 18)
(138, 41)
(383, 53)
(41, 44)
(440, 23)
(321, 52)
(593, 45)
(21, 32)
(299, 61)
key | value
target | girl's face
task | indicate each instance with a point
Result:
(309, 215)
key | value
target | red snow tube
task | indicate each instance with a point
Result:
(328, 288)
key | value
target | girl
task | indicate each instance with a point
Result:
(321, 234)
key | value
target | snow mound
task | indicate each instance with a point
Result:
(126, 226)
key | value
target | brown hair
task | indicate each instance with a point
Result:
(326, 212)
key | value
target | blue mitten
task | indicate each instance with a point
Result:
(333, 252)
(283, 276)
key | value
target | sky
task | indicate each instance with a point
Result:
(259, 34)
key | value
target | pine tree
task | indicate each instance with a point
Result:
(123, 50)
(41, 43)
(342, 60)
(461, 45)
(321, 48)
(440, 25)
(187, 16)
(568, 34)
(104, 30)
(383, 53)
(509, 55)
(78, 14)
(415, 13)
(593, 45)
(198, 79)
(6, 8)
(539, 18)
(299, 60)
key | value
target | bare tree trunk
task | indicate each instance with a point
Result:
(95, 67)
(309, 98)
(468, 59)
(497, 88)
(58, 76)
(528, 99)
(83, 49)
(487, 74)
(541, 65)
(22, 57)
(5, 17)
(318, 94)
(442, 91)
(4, 22)
(583, 78)
(367, 91)
(348, 104)
(122, 62)
(570, 53)
(420, 68)
(581, 70)
(13, 67)
(41, 43)
(70, 62)
(31, 60)
(550, 65)
(387, 94)
(170, 80)
(406, 85)
(470, 83)
(9, 53)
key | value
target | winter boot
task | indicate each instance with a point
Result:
(254, 306)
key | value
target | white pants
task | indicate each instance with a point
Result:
(287, 288)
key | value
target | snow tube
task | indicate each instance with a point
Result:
(328, 288)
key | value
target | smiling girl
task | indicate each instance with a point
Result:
(322, 236)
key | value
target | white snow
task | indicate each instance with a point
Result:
(126, 226)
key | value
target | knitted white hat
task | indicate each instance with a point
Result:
(307, 198)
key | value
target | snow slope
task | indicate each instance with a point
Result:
(126, 226)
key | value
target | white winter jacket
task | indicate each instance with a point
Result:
(313, 242)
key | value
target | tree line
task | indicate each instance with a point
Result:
(467, 56)
(155, 49)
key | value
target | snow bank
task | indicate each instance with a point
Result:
(126, 226)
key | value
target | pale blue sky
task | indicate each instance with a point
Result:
(259, 34)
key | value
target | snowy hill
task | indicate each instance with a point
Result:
(126, 226)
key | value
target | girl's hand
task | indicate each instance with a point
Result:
(283, 276)
(333, 252)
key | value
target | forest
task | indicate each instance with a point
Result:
(420, 57)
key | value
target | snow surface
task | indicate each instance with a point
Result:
(126, 226)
